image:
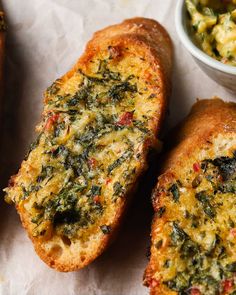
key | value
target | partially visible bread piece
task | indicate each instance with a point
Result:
(99, 122)
(194, 228)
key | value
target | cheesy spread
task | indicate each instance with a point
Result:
(94, 133)
(196, 236)
(213, 28)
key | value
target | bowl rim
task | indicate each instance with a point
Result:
(192, 48)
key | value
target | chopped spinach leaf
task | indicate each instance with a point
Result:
(204, 199)
(95, 190)
(126, 155)
(231, 267)
(118, 189)
(117, 91)
(174, 189)
(227, 167)
(160, 211)
(178, 235)
(58, 128)
(54, 88)
(106, 229)
(46, 172)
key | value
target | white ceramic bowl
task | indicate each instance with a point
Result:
(221, 73)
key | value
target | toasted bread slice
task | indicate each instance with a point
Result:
(194, 228)
(99, 121)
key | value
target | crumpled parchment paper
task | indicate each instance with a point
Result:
(44, 39)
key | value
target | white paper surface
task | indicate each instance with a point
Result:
(45, 38)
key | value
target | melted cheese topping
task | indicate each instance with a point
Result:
(195, 226)
(93, 140)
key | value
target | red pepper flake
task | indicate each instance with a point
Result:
(108, 180)
(195, 291)
(233, 232)
(227, 285)
(154, 283)
(148, 76)
(96, 199)
(220, 178)
(50, 121)
(92, 162)
(196, 167)
(126, 119)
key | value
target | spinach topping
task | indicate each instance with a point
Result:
(231, 267)
(60, 150)
(46, 172)
(37, 218)
(54, 88)
(87, 138)
(178, 234)
(227, 187)
(183, 281)
(95, 91)
(117, 92)
(82, 95)
(118, 189)
(205, 266)
(227, 166)
(78, 163)
(107, 74)
(106, 229)
(63, 211)
(96, 190)
(160, 211)
(194, 256)
(179, 283)
(196, 272)
(126, 155)
(58, 128)
(174, 189)
(96, 94)
(204, 199)
(141, 126)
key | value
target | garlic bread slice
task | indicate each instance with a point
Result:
(194, 228)
(99, 122)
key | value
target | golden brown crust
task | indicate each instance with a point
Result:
(145, 38)
(147, 33)
(207, 119)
